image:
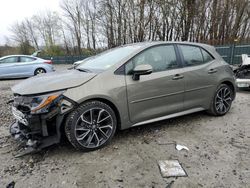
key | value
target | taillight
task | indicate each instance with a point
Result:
(48, 62)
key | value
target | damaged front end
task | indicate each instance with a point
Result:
(38, 119)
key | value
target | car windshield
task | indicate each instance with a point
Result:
(107, 59)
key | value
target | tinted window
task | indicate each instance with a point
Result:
(192, 55)
(26, 59)
(160, 58)
(9, 60)
(206, 56)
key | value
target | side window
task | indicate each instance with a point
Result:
(206, 56)
(26, 59)
(191, 54)
(161, 58)
(10, 60)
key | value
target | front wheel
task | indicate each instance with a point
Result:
(222, 100)
(91, 126)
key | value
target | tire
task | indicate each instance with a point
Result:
(91, 126)
(222, 101)
(39, 71)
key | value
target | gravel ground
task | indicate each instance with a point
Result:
(218, 156)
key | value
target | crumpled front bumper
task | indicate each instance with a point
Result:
(37, 131)
(40, 132)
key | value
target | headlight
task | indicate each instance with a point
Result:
(40, 104)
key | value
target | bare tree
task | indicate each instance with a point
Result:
(72, 11)
(94, 24)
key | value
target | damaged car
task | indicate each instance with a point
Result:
(242, 72)
(120, 88)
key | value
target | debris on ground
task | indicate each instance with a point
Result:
(11, 185)
(171, 168)
(165, 143)
(170, 184)
(181, 147)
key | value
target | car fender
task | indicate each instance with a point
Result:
(47, 67)
(92, 90)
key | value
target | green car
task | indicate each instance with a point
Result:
(120, 88)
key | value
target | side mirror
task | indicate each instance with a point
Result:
(143, 69)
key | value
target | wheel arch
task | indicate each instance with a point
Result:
(38, 65)
(231, 85)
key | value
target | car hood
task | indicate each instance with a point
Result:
(52, 82)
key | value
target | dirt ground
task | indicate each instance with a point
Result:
(218, 156)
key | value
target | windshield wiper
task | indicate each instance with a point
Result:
(83, 70)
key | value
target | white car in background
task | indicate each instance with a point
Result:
(242, 73)
(22, 66)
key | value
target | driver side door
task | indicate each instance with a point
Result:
(160, 93)
(7, 66)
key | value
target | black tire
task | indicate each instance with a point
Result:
(222, 101)
(39, 71)
(83, 130)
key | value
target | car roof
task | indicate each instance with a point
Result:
(154, 43)
(18, 56)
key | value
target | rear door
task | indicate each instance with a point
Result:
(159, 93)
(7, 66)
(24, 66)
(200, 76)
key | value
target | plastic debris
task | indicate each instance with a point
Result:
(11, 185)
(170, 184)
(171, 168)
(181, 147)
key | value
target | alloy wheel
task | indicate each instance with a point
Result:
(223, 100)
(94, 127)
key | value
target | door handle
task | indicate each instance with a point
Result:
(177, 77)
(211, 71)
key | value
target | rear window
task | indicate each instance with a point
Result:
(26, 59)
(192, 55)
(206, 56)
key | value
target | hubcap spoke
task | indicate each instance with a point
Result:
(82, 136)
(227, 94)
(105, 126)
(225, 102)
(101, 131)
(90, 138)
(224, 93)
(81, 129)
(91, 116)
(84, 120)
(218, 96)
(97, 139)
(104, 119)
(228, 99)
(99, 115)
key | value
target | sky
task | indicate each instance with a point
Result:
(12, 11)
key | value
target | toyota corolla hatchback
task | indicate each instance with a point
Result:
(21, 66)
(120, 88)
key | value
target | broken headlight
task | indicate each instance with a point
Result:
(41, 103)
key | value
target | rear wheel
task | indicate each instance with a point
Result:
(91, 126)
(39, 71)
(222, 100)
